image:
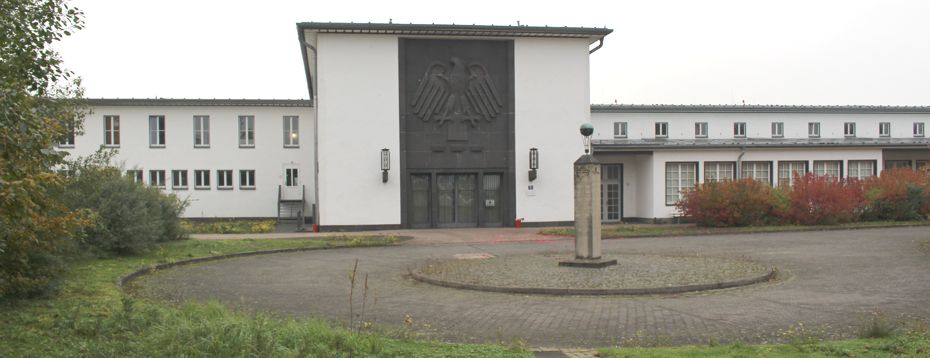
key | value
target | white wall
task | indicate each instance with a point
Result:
(758, 125)
(552, 101)
(266, 158)
(358, 116)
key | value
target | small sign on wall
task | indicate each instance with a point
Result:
(531, 190)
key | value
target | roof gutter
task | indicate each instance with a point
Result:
(304, 44)
(600, 43)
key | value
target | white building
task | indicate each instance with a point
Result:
(433, 126)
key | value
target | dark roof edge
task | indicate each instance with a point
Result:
(917, 143)
(456, 29)
(687, 108)
(198, 102)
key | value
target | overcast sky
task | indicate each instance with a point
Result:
(688, 52)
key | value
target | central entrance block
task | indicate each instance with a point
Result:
(457, 133)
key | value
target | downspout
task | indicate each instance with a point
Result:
(600, 44)
(739, 162)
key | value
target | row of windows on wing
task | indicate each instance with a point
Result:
(681, 176)
(778, 129)
(179, 179)
(201, 134)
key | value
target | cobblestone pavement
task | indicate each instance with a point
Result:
(829, 280)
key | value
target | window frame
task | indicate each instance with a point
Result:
(910, 164)
(179, 174)
(157, 174)
(67, 140)
(620, 129)
(661, 129)
(849, 129)
(791, 171)
(739, 129)
(771, 176)
(291, 131)
(198, 183)
(919, 129)
(839, 170)
(884, 129)
(780, 132)
(137, 175)
(243, 176)
(701, 129)
(813, 129)
(202, 127)
(695, 167)
(159, 135)
(717, 171)
(111, 131)
(229, 185)
(849, 165)
(248, 128)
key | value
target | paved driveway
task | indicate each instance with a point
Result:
(830, 278)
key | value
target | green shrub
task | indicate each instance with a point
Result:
(227, 226)
(732, 203)
(129, 217)
(898, 194)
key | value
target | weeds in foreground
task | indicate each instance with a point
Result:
(877, 325)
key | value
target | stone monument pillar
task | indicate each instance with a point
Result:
(588, 209)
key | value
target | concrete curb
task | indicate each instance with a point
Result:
(618, 237)
(125, 280)
(597, 292)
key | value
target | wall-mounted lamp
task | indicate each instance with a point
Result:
(385, 164)
(534, 163)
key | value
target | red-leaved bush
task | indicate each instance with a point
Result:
(824, 200)
(898, 194)
(731, 203)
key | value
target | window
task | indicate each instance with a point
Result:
(849, 129)
(201, 179)
(619, 129)
(918, 129)
(778, 129)
(247, 179)
(700, 130)
(923, 165)
(739, 130)
(786, 171)
(201, 131)
(679, 177)
(291, 132)
(111, 131)
(718, 171)
(179, 179)
(67, 138)
(135, 175)
(860, 169)
(157, 178)
(661, 129)
(224, 179)
(895, 164)
(832, 168)
(884, 129)
(761, 171)
(246, 131)
(290, 177)
(813, 129)
(156, 131)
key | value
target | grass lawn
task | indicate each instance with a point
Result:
(227, 226)
(647, 230)
(92, 317)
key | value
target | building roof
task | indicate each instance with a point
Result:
(711, 108)
(593, 33)
(621, 145)
(198, 102)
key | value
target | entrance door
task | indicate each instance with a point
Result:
(491, 207)
(612, 192)
(291, 190)
(456, 195)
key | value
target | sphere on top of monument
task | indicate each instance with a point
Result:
(587, 129)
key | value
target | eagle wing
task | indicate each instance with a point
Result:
(482, 93)
(431, 92)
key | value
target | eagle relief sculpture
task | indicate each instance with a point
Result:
(456, 93)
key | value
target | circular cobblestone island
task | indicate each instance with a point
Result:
(635, 274)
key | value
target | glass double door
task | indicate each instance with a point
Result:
(455, 200)
(612, 192)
